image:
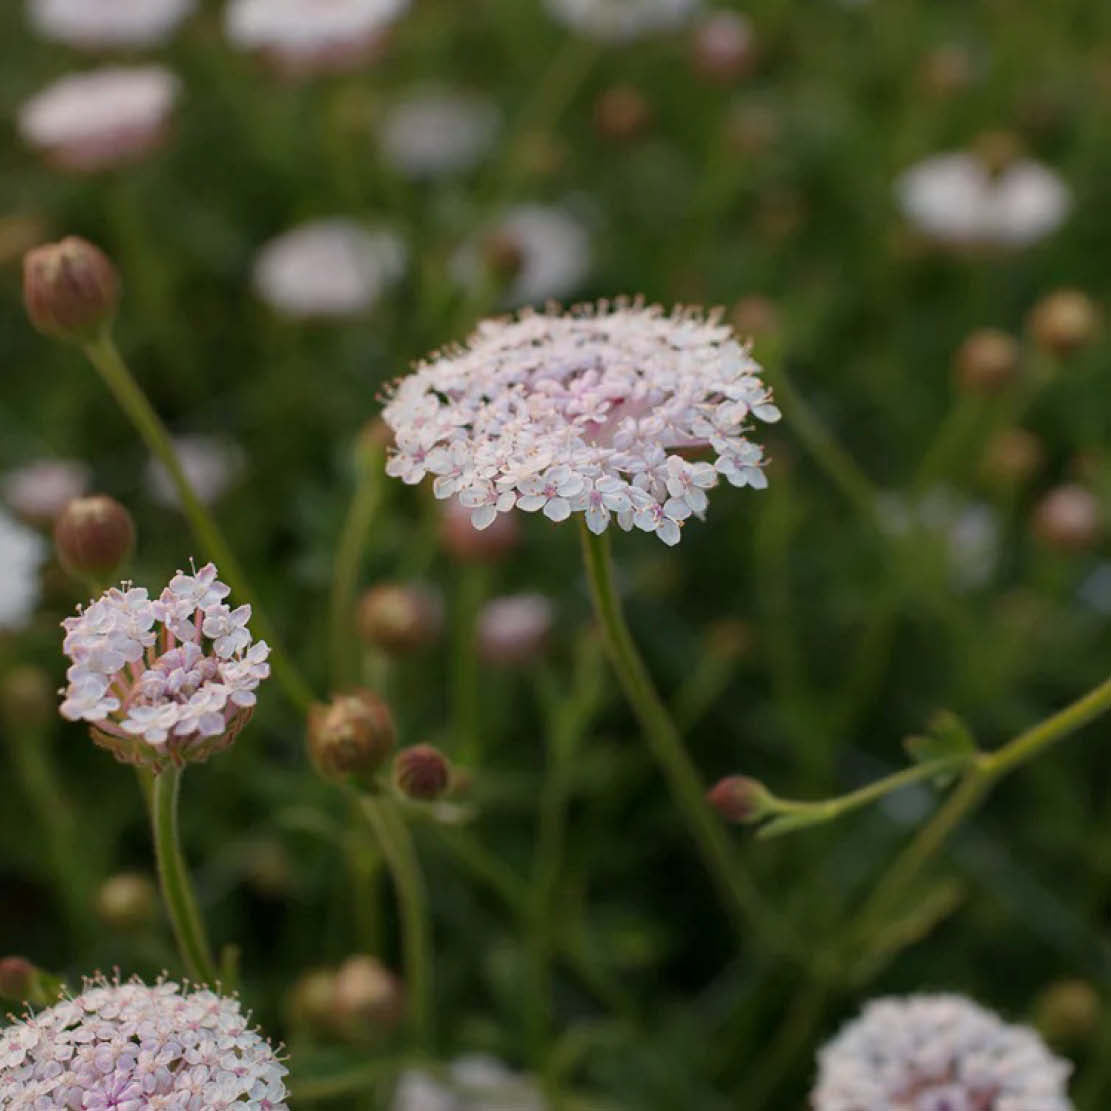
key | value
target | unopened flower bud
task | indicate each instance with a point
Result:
(27, 698)
(1068, 518)
(71, 289)
(366, 993)
(1068, 1011)
(351, 735)
(754, 316)
(621, 113)
(946, 70)
(94, 536)
(1064, 321)
(466, 544)
(724, 46)
(422, 772)
(729, 639)
(738, 798)
(514, 629)
(18, 978)
(127, 901)
(503, 254)
(987, 361)
(1013, 455)
(997, 150)
(311, 1000)
(400, 618)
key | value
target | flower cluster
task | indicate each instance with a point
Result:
(108, 24)
(131, 1046)
(438, 131)
(621, 20)
(21, 553)
(935, 1053)
(594, 412)
(166, 681)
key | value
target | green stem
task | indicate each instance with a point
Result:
(465, 690)
(105, 356)
(777, 1062)
(177, 891)
(349, 556)
(400, 855)
(735, 888)
(978, 780)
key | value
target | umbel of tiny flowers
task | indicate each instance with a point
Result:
(127, 1046)
(168, 681)
(596, 411)
(938, 1053)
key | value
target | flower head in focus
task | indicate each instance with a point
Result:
(435, 132)
(130, 1046)
(594, 412)
(100, 119)
(957, 199)
(307, 36)
(938, 1053)
(327, 268)
(166, 681)
(549, 252)
(108, 24)
(621, 20)
(21, 553)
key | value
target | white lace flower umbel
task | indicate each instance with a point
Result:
(621, 20)
(106, 24)
(597, 411)
(127, 1047)
(166, 681)
(21, 553)
(938, 1053)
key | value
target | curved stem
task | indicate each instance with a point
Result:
(177, 891)
(105, 356)
(401, 859)
(466, 705)
(978, 780)
(737, 891)
(349, 555)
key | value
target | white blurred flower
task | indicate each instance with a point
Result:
(621, 20)
(212, 466)
(514, 629)
(40, 490)
(587, 412)
(21, 554)
(473, 1083)
(91, 121)
(937, 1053)
(129, 1046)
(954, 198)
(306, 36)
(106, 24)
(327, 268)
(435, 132)
(551, 252)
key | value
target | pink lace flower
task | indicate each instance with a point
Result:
(166, 681)
(938, 1053)
(596, 411)
(130, 1047)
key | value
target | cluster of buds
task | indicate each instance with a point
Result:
(165, 681)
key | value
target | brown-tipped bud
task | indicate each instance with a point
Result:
(1068, 519)
(503, 254)
(94, 537)
(367, 994)
(127, 901)
(1064, 321)
(1013, 455)
(311, 1001)
(17, 979)
(621, 113)
(754, 316)
(987, 361)
(422, 772)
(350, 736)
(738, 798)
(1067, 1012)
(466, 544)
(71, 289)
(27, 699)
(946, 70)
(400, 618)
(724, 46)
(514, 630)
(997, 150)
